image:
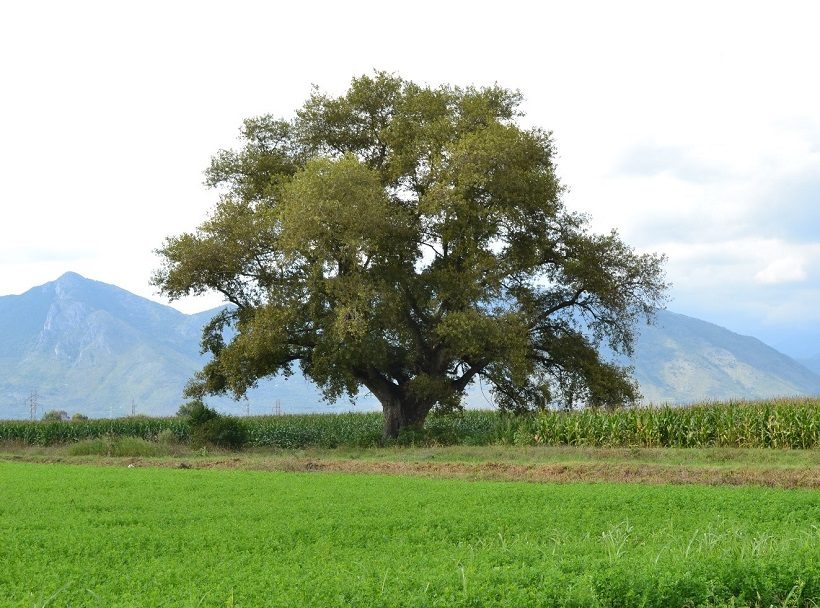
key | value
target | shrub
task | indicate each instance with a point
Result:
(78, 417)
(198, 413)
(208, 427)
(222, 431)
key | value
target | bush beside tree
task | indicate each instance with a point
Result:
(209, 427)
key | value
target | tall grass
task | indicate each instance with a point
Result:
(784, 423)
(119, 447)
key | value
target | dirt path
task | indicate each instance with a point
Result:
(779, 477)
(564, 472)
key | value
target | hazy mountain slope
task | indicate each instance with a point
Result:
(681, 359)
(90, 347)
(78, 342)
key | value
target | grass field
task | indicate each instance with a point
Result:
(117, 536)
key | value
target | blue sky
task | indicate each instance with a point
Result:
(693, 128)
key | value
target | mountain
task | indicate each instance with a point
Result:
(680, 359)
(86, 346)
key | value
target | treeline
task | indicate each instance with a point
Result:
(788, 423)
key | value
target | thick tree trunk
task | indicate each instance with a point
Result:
(402, 414)
(393, 419)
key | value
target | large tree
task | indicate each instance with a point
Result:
(409, 239)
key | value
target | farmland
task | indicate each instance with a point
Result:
(103, 536)
(715, 505)
(788, 423)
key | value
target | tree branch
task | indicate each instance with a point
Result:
(461, 383)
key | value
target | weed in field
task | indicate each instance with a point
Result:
(615, 539)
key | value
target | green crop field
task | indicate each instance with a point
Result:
(106, 536)
(784, 423)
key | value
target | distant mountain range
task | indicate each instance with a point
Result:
(86, 346)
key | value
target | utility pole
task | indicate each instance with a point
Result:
(277, 409)
(133, 407)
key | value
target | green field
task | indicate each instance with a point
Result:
(105, 536)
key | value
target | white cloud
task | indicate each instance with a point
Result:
(783, 270)
(708, 151)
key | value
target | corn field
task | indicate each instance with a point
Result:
(764, 424)
(51, 433)
(787, 423)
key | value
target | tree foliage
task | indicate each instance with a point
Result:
(56, 416)
(409, 239)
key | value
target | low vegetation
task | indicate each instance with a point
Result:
(161, 537)
(119, 447)
(787, 423)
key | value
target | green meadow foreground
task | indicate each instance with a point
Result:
(319, 511)
(116, 536)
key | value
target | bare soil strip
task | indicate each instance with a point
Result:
(553, 472)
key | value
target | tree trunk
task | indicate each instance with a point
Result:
(402, 414)
(393, 419)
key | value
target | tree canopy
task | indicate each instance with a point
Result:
(410, 239)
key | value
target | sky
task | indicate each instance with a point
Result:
(692, 128)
